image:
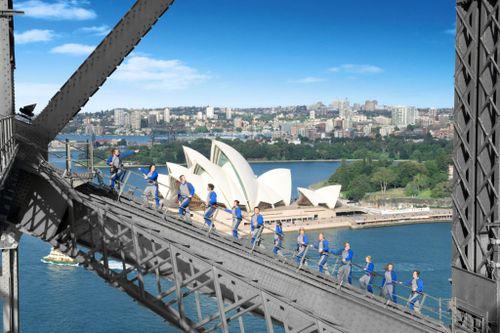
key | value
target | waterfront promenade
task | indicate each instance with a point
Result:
(318, 218)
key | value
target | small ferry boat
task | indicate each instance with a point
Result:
(56, 257)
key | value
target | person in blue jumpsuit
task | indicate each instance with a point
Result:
(151, 175)
(365, 282)
(389, 283)
(302, 243)
(211, 205)
(417, 288)
(278, 238)
(256, 225)
(184, 195)
(344, 272)
(323, 248)
(237, 217)
(115, 162)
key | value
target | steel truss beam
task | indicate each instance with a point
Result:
(475, 230)
(95, 70)
(158, 258)
(147, 242)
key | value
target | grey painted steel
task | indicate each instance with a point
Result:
(94, 71)
(6, 60)
(475, 231)
(9, 289)
(147, 241)
(8, 146)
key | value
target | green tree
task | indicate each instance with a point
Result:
(358, 188)
(411, 190)
(383, 177)
(420, 182)
(441, 190)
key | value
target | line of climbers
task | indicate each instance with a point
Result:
(344, 273)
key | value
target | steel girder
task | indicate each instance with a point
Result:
(6, 59)
(95, 70)
(476, 157)
(144, 240)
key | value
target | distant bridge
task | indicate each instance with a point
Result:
(93, 224)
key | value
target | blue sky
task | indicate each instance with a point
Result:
(247, 53)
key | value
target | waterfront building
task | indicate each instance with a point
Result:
(119, 117)
(135, 120)
(152, 120)
(234, 179)
(210, 111)
(166, 115)
(403, 116)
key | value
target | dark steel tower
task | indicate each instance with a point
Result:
(475, 233)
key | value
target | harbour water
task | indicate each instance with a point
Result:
(71, 299)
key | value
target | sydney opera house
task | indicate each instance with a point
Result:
(234, 179)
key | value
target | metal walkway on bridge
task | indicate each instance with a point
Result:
(93, 226)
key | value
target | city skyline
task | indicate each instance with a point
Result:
(243, 56)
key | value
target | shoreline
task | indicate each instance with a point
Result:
(223, 223)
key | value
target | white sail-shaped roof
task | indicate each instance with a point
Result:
(280, 183)
(234, 179)
(212, 173)
(238, 170)
(327, 195)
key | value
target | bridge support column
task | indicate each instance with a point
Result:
(9, 280)
(6, 59)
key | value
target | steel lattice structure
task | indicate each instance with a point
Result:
(476, 160)
(176, 271)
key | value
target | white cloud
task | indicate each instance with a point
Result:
(356, 69)
(73, 49)
(451, 31)
(34, 35)
(308, 79)
(58, 10)
(158, 74)
(101, 30)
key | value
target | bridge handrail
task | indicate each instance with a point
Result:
(442, 315)
(7, 142)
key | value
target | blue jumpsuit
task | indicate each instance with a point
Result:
(237, 218)
(278, 239)
(417, 287)
(152, 178)
(211, 207)
(344, 272)
(302, 242)
(324, 251)
(116, 169)
(184, 196)
(256, 227)
(389, 286)
(365, 282)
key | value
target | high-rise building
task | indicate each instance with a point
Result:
(403, 116)
(346, 114)
(126, 119)
(312, 115)
(199, 115)
(210, 112)
(152, 120)
(135, 120)
(166, 115)
(119, 117)
(371, 105)
(229, 113)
